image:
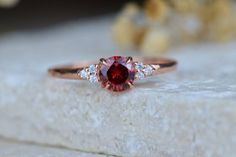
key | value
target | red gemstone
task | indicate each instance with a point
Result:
(116, 74)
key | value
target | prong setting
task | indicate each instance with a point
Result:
(103, 61)
(130, 84)
(129, 59)
(118, 74)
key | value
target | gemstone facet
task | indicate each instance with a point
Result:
(116, 73)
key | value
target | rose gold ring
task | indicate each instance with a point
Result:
(116, 73)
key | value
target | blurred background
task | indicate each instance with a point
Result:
(150, 27)
(36, 14)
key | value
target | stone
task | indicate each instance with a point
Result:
(92, 69)
(190, 112)
(139, 66)
(116, 74)
(16, 149)
(84, 74)
(139, 75)
(148, 70)
(139, 70)
(93, 78)
(93, 73)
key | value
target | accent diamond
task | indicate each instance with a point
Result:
(139, 66)
(92, 69)
(93, 78)
(84, 74)
(93, 73)
(139, 75)
(148, 70)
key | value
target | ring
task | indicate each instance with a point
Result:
(116, 73)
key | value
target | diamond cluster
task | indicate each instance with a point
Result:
(89, 73)
(143, 70)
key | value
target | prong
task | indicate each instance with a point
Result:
(103, 61)
(130, 84)
(155, 67)
(129, 59)
(107, 86)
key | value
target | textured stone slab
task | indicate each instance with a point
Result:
(187, 113)
(11, 149)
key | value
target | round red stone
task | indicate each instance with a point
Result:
(116, 74)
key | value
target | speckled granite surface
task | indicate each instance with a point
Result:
(187, 113)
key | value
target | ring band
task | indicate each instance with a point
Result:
(116, 73)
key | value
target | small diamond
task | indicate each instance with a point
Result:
(93, 79)
(83, 73)
(92, 69)
(139, 66)
(148, 70)
(139, 75)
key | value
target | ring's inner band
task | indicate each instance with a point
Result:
(161, 65)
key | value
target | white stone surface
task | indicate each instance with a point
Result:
(12, 149)
(187, 113)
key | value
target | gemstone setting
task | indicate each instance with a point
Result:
(116, 73)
